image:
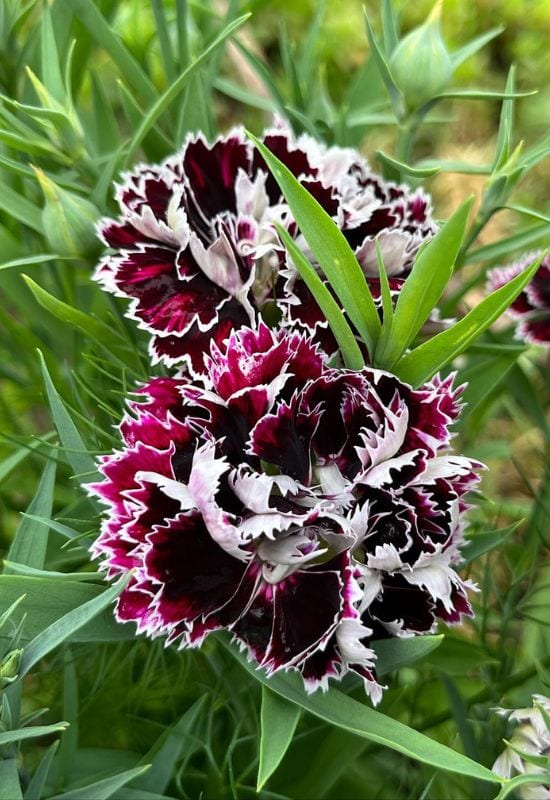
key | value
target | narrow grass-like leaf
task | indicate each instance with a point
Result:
(243, 95)
(480, 543)
(503, 147)
(396, 96)
(91, 17)
(424, 361)
(104, 789)
(343, 334)
(503, 247)
(469, 49)
(390, 26)
(333, 253)
(17, 206)
(60, 630)
(393, 654)
(32, 732)
(529, 212)
(431, 271)
(77, 452)
(172, 92)
(265, 75)
(102, 333)
(511, 785)
(63, 596)
(479, 94)
(278, 719)
(406, 169)
(31, 538)
(15, 459)
(387, 303)
(35, 789)
(167, 749)
(51, 75)
(338, 709)
(64, 530)
(29, 261)
(483, 378)
(10, 788)
(32, 572)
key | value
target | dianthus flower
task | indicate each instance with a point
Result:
(306, 509)
(196, 252)
(531, 309)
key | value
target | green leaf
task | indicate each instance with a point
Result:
(477, 544)
(503, 247)
(172, 92)
(343, 334)
(333, 253)
(63, 596)
(17, 206)
(20, 569)
(337, 709)
(529, 212)
(60, 630)
(77, 452)
(459, 657)
(393, 654)
(102, 333)
(51, 75)
(28, 261)
(90, 16)
(424, 286)
(265, 75)
(15, 459)
(241, 94)
(167, 749)
(278, 721)
(31, 538)
(390, 28)
(470, 48)
(483, 378)
(32, 732)
(10, 788)
(396, 96)
(479, 94)
(424, 361)
(406, 169)
(503, 147)
(35, 789)
(104, 789)
(512, 784)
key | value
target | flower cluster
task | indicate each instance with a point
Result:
(307, 509)
(531, 309)
(196, 250)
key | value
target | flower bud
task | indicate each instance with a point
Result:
(68, 220)
(9, 668)
(420, 64)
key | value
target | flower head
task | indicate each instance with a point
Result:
(195, 248)
(530, 738)
(531, 309)
(306, 509)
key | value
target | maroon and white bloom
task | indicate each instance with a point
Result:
(531, 309)
(306, 509)
(195, 248)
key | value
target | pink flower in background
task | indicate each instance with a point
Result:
(195, 248)
(531, 309)
(306, 509)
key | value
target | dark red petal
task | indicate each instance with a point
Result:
(195, 574)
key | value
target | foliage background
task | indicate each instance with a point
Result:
(123, 697)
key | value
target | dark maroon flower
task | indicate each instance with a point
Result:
(306, 509)
(196, 252)
(531, 309)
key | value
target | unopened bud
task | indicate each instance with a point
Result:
(420, 64)
(68, 220)
(9, 668)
